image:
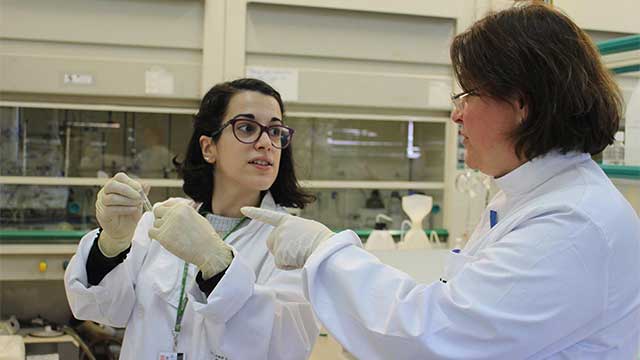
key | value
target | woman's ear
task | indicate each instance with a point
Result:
(209, 149)
(522, 109)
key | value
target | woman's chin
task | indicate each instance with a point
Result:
(255, 183)
(259, 186)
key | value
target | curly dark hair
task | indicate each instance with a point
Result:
(535, 54)
(198, 174)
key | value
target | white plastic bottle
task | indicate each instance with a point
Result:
(380, 238)
(632, 129)
(614, 153)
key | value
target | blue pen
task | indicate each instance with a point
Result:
(493, 218)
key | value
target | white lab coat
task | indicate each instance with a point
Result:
(255, 312)
(558, 277)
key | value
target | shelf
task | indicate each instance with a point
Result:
(177, 183)
(373, 117)
(366, 232)
(78, 181)
(380, 185)
(188, 111)
(621, 55)
(100, 107)
(622, 171)
(73, 236)
(626, 69)
(627, 43)
(41, 234)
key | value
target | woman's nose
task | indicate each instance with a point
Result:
(264, 142)
(456, 116)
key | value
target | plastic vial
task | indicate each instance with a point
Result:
(614, 154)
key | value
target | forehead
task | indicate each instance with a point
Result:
(263, 107)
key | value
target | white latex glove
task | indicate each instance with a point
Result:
(188, 235)
(293, 239)
(118, 210)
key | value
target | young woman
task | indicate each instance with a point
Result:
(194, 277)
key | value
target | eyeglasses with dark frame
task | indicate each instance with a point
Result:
(246, 131)
(460, 100)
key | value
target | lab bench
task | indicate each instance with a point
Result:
(443, 234)
(19, 262)
(36, 255)
(65, 346)
(622, 172)
(45, 254)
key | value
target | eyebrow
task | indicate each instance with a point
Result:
(253, 117)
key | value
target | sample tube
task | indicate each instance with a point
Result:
(146, 204)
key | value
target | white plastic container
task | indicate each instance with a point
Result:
(417, 207)
(632, 129)
(614, 153)
(380, 238)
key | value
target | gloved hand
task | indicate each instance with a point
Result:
(182, 231)
(293, 239)
(118, 210)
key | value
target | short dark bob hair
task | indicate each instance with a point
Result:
(198, 174)
(534, 53)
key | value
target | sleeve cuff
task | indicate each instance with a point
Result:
(207, 286)
(232, 290)
(322, 253)
(98, 265)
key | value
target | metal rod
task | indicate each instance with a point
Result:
(94, 125)
(67, 144)
(24, 140)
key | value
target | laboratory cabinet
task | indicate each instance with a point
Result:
(53, 162)
(621, 55)
(365, 85)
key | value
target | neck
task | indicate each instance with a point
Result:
(227, 201)
(507, 165)
(504, 171)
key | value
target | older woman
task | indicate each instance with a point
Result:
(551, 271)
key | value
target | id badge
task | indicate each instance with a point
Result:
(172, 356)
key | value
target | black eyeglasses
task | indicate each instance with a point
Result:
(248, 131)
(460, 100)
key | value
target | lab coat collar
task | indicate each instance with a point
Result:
(267, 202)
(254, 226)
(531, 174)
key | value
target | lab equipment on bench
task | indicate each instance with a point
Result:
(380, 238)
(632, 129)
(417, 207)
(614, 153)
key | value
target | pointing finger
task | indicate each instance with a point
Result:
(266, 216)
